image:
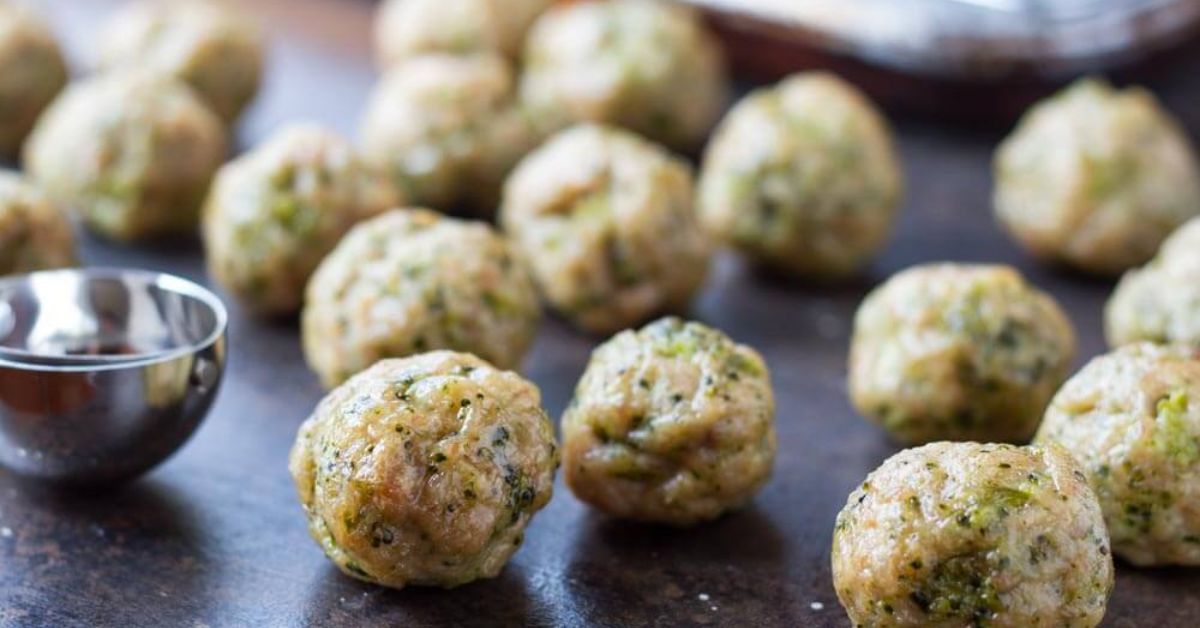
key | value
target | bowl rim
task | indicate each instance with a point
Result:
(163, 280)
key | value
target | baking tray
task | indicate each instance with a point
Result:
(216, 537)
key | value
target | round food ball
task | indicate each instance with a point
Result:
(34, 235)
(131, 152)
(1132, 420)
(958, 352)
(1160, 302)
(448, 130)
(1096, 178)
(964, 534)
(802, 177)
(32, 72)
(406, 28)
(274, 212)
(650, 67)
(606, 220)
(410, 281)
(425, 470)
(207, 44)
(674, 423)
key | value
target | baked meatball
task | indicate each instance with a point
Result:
(425, 470)
(958, 352)
(606, 220)
(410, 281)
(34, 235)
(802, 177)
(674, 423)
(1132, 420)
(406, 28)
(1160, 302)
(448, 129)
(274, 212)
(131, 152)
(32, 71)
(1096, 177)
(650, 67)
(964, 534)
(206, 43)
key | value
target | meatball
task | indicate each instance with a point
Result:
(425, 470)
(32, 72)
(274, 212)
(131, 152)
(648, 66)
(964, 534)
(34, 235)
(958, 352)
(1132, 420)
(672, 424)
(606, 220)
(205, 43)
(410, 281)
(1161, 301)
(406, 28)
(802, 177)
(448, 129)
(1096, 178)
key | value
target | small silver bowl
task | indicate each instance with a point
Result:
(104, 373)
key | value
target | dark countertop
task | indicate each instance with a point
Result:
(215, 536)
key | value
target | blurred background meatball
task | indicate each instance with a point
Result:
(607, 222)
(650, 67)
(448, 130)
(132, 152)
(802, 177)
(32, 71)
(958, 352)
(1096, 177)
(207, 44)
(410, 281)
(275, 212)
(406, 28)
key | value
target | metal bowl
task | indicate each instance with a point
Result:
(104, 373)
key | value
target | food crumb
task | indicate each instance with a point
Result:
(713, 608)
(703, 597)
(817, 606)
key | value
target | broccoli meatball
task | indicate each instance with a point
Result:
(964, 534)
(448, 129)
(34, 235)
(606, 220)
(425, 470)
(1160, 302)
(131, 152)
(673, 424)
(406, 28)
(650, 67)
(32, 72)
(410, 281)
(1132, 420)
(802, 177)
(205, 43)
(958, 352)
(1096, 178)
(274, 212)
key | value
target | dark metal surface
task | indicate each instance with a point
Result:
(215, 536)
